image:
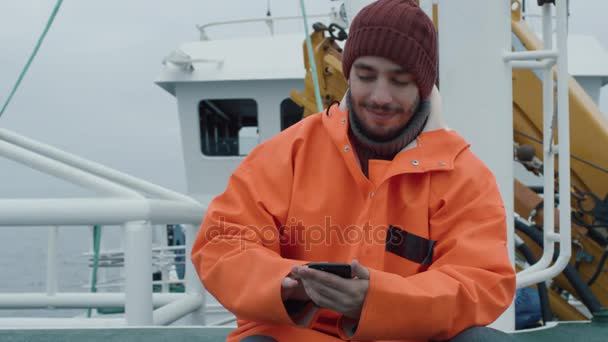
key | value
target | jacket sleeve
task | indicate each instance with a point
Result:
(237, 250)
(470, 281)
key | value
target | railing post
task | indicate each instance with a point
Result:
(162, 257)
(542, 270)
(548, 153)
(51, 261)
(192, 282)
(138, 273)
(563, 119)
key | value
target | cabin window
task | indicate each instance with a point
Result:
(228, 127)
(290, 113)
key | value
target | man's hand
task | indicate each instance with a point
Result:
(292, 288)
(326, 290)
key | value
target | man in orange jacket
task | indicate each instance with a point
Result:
(378, 182)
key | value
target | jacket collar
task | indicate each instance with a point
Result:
(435, 148)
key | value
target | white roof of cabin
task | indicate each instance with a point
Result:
(281, 57)
(259, 58)
(587, 57)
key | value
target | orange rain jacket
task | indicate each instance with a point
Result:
(429, 225)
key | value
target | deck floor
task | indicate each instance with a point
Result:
(568, 332)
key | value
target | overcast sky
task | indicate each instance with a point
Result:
(91, 90)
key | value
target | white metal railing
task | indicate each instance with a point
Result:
(543, 270)
(268, 20)
(94, 168)
(535, 20)
(127, 206)
(163, 259)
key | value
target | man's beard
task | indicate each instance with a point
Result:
(392, 109)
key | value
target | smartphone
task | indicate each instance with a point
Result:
(339, 269)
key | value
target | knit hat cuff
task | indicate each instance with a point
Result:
(396, 47)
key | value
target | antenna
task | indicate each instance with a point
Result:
(269, 21)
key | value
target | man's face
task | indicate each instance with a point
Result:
(384, 96)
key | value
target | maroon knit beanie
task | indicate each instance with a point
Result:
(399, 31)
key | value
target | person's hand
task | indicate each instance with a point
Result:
(292, 288)
(327, 290)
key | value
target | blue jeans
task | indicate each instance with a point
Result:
(474, 334)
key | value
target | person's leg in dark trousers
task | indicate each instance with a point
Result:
(482, 334)
(258, 338)
(474, 334)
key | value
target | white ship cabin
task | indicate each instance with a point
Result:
(231, 95)
(588, 63)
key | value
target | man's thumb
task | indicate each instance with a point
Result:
(358, 270)
(288, 283)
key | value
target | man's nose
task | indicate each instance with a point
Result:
(381, 94)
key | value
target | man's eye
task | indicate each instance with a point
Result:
(402, 83)
(365, 78)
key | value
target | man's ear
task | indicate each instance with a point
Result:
(435, 99)
(343, 106)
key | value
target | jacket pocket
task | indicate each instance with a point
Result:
(409, 246)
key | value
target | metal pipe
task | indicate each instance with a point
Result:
(164, 266)
(529, 55)
(138, 271)
(202, 28)
(563, 114)
(54, 323)
(120, 284)
(192, 283)
(86, 211)
(216, 308)
(76, 300)
(163, 212)
(51, 261)
(63, 171)
(118, 253)
(529, 278)
(224, 321)
(548, 166)
(544, 64)
(524, 280)
(92, 167)
(178, 309)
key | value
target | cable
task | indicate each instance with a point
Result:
(603, 169)
(580, 286)
(545, 306)
(599, 269)
(582, 223)
(32, 56)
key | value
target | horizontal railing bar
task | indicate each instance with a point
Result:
(85, 211)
